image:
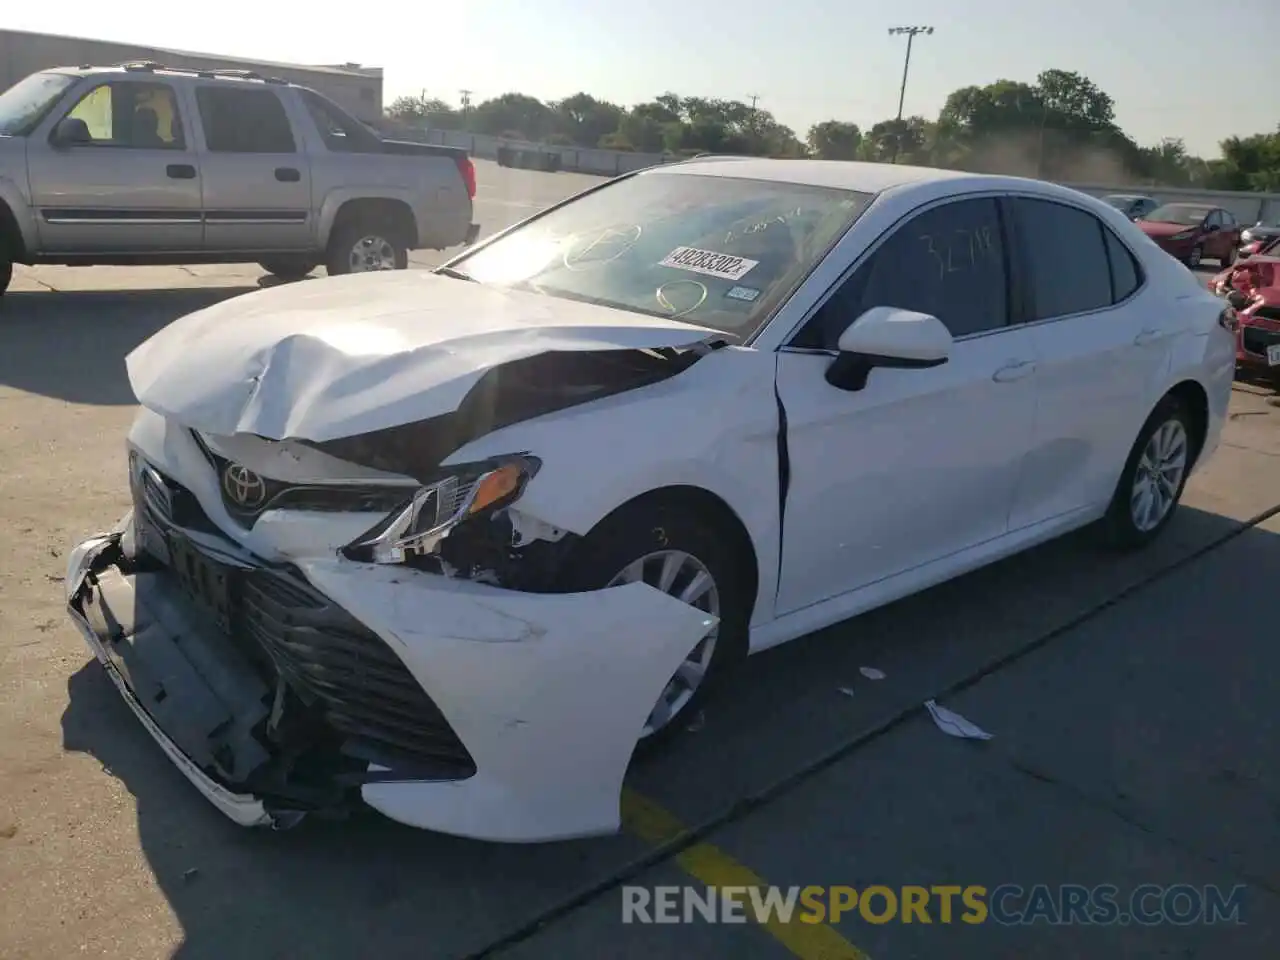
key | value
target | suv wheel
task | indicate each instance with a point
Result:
(6, 273)
(288, 268)
(363, 247)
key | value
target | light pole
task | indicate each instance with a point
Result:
(902, 93)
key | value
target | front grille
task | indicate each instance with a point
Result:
(1256, 341)
(330, 660)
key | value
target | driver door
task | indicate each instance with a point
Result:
(920, 463)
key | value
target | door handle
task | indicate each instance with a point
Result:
(1014, 370)
(1146, 336)
(288, 175)
(180, 171)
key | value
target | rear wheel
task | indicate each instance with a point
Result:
(364, 246)
(1193, 258)
(673, 549)
(1229, 259)
(6, 273)
(1153, 479)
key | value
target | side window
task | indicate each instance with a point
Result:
(143, 116)
(948, 262)
(1214, 219)
(1125, 274)
(249, 120)
(1066, 258)
(341, 133)
(1228, 220)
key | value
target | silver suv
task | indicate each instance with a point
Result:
(144, 163)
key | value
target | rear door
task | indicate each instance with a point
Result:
(132, 185)
(1103, 345)
(257, 184)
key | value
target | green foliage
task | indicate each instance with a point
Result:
(1060, 127)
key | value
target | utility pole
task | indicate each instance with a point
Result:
(910, 33)
(751, 119)
(466, 108)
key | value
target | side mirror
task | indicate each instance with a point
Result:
(71, 131)
(1211, 227)
(888, 337)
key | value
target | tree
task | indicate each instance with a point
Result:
(430, 111)
(585, 120)
(514, 113)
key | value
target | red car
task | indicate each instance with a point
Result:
(1253, 288)
(1193, 231)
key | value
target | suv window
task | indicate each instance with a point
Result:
(1066, 259)
(341, 132)
(1228, 220)
(948, 262)
(249, 120)
(143, 116)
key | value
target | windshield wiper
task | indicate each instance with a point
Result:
(454, 273)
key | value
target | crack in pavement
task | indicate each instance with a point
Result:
(1100, 803)
(806, 772)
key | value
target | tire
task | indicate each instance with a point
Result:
(1193, 258)
(1119, 528)
(288, 268)
(652, 526)
(1229, 259)
(382, 240)
(6, 274)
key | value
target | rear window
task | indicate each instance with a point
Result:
(249, 120)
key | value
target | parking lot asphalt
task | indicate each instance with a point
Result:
(1130, 699)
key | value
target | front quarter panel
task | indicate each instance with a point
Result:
(713, 426)
(520, 677)
(15, 191)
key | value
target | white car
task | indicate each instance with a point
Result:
(453, 543)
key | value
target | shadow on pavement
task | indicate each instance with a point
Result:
(369, 887)
(71, 346)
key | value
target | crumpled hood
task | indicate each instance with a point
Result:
(319, 360)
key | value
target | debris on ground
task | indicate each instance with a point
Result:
(847, 691)
(871, 673)
(952, 724)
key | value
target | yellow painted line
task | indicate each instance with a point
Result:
(712, 867)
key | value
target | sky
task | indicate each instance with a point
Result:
(1174, 68)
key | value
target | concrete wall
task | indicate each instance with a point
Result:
(358, 90)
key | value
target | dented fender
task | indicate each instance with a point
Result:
(548, 691)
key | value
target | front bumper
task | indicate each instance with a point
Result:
(547, 693)
(1254, 339)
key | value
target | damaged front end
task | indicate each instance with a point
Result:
(307, 626)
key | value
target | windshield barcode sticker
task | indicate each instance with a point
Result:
(708, 262)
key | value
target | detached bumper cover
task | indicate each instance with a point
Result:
(548, 692)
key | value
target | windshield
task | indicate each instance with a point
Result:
(720, 252)
(1178, 213)
(26, 103)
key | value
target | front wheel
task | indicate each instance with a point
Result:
(1228, 259)
(6, 273)
(1153, 479)
(288, 268)
(364, 247)
(673, 549)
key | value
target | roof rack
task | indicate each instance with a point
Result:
(151, 66)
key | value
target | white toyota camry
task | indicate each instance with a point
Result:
(454, 543)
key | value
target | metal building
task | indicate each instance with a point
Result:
(357, 88)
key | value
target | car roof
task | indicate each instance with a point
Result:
(874, 179)
(151, 68)
(842, 174)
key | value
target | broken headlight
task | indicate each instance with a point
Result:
(416, 527)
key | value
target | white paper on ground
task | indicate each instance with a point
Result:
(871, 673)
(952, 724)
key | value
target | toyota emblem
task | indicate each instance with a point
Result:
(243, 487)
